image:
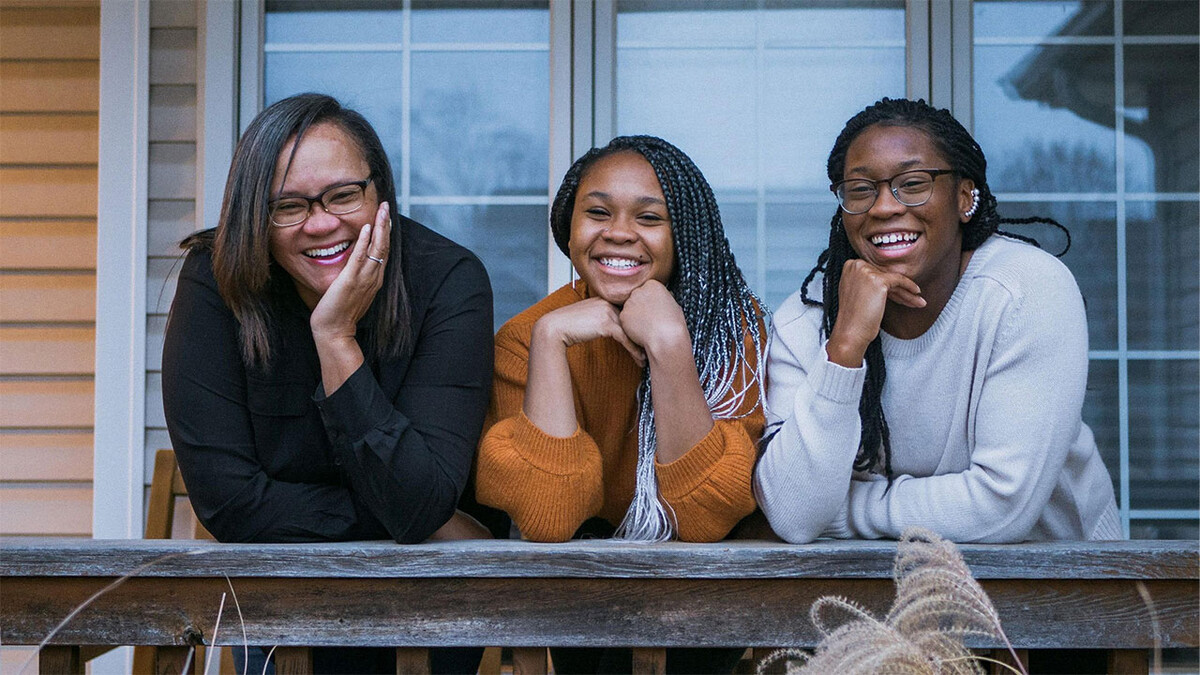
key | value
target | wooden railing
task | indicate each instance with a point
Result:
(583, 593)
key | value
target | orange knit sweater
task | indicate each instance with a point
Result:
(550, 485)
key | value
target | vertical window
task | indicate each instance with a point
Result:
(1082, 121)
(756, 93)
(459, 93)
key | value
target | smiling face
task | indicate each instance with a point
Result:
(620, 227)
(315, 251)
(922, 242)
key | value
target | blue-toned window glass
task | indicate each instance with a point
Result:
(459, 92)
(1083, 120)
(756, 93)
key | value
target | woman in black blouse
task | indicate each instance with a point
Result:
(327, 363)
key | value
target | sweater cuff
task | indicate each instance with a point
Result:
(837, 383)
(357, 407)
(715, 459)
(557, 456)
(839, 527)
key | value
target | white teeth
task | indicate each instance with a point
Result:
(332, 250)
(619, 263)
(894, 238)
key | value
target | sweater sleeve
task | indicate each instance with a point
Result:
(802, 479)
(709, 487)
(1025, 422)
(208, 417)
(408, 459)
(547, 485)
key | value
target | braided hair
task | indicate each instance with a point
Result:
(966, 159)
(717, 305)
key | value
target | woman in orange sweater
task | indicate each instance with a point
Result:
(630, 400)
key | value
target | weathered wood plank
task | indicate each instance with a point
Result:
(59, 660)
(529, 661)
(649, 661)
(1139, 559)
(292, 660)
(643, 612)
(414, 660)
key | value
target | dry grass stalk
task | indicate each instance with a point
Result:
(938, 604)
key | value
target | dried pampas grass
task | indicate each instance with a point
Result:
(938, 604)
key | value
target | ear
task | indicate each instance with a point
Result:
(965, 199)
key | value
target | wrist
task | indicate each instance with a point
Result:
(546, 335)
(845, 353)
(668, 339)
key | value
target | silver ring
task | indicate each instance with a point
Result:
(378, 260)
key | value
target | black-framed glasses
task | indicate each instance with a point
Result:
(337, 200)
(910, 188)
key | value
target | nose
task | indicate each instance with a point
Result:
(886, 203)
(320, 221)
(620, 230)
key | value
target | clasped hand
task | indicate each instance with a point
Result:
(863, 295)
(649, 320)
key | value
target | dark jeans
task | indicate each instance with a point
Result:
(355, 660)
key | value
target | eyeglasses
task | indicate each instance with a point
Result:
(337, 200)
(910, 188)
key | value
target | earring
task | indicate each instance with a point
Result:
(974, 204)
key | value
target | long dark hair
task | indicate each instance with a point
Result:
(717, 303)
(240, 244)
(966, 158)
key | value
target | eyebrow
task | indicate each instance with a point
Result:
(902, 165)
(327, 188)
(647, 199)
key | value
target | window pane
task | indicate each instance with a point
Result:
(756, 93)
(317, 21)
(1169, 529)
(1040, 132)
(1162, 17)
(511, 242)
(374, 92)
(1163, 241)
(480, 123)
(1164, 400)
(1092, 257)
(480, 21)
(1162, 117)
(1040, 18)
(1101, 408)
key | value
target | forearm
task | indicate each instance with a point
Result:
(549, 399)
(681, 414)
(340, 356)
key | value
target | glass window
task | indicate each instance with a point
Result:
(1083, 123)
(459, 93)
(756, 93)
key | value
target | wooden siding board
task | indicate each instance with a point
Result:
(173, 112)
(173, 56)
(49, 139)
(45, 509)
(155, 417)
(162, 274)
(172, 171)
(49, 32)
(169, 222)
(45, 298)
(31, 404)
(49, 86)
(47, 244)
(156, 439)
(156, 325)
(47, 351)
(46, 457)
(55, 193)
(173, 14)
